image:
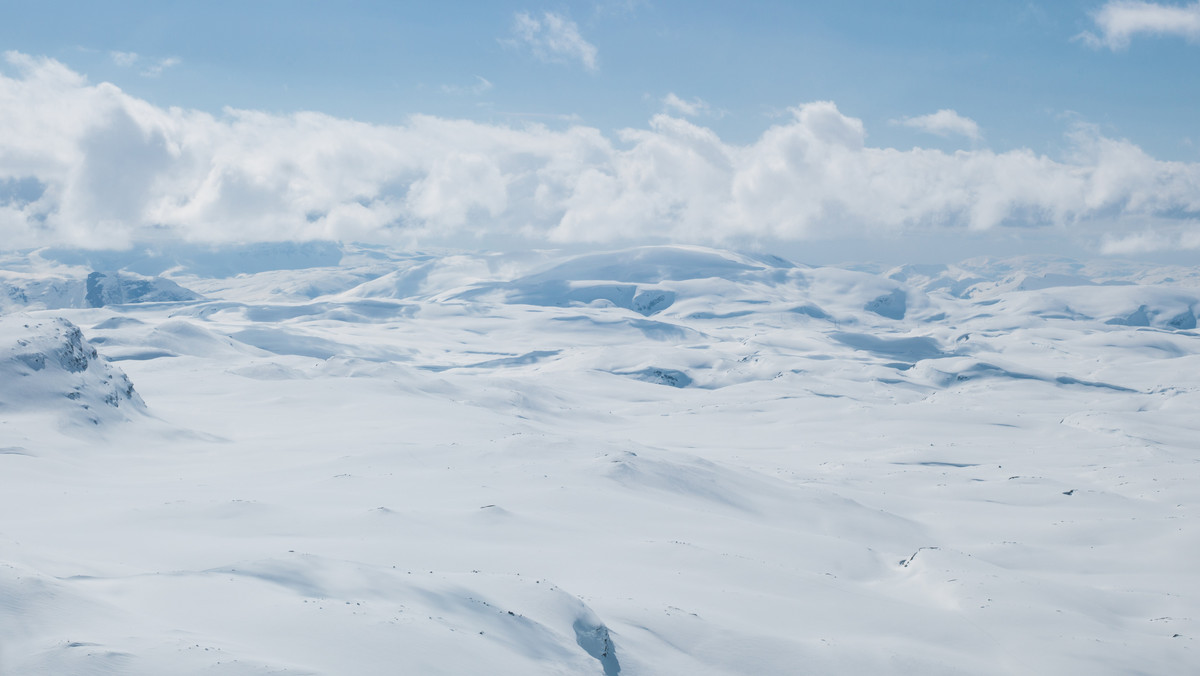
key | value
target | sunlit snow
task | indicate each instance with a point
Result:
(323, 459)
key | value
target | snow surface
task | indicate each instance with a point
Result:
(663, 460)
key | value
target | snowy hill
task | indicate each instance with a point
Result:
(46, 365)
(651, 460)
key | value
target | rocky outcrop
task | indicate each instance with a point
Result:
(48, 365)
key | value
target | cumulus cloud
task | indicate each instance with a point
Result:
(944, 123)
(696, 106)
(553, 38)
(91, 165)
(1118, 21)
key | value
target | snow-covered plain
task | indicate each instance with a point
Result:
(662, 460)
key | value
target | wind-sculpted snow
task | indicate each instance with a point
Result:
(658, 460)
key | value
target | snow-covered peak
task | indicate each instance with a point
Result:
(119, 288)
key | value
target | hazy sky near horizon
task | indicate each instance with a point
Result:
(602, 121)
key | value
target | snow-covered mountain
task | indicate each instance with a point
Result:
(651, 460)
(95, 289)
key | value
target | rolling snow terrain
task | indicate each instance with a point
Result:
(331, 459)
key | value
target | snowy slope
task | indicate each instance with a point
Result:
(654, 460)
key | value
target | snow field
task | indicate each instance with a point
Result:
(439, 464)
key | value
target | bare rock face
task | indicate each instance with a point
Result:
(48, 365)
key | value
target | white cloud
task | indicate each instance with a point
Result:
(481, 86)
(696, 106)
(944, 123)
(124, 59)
(553, 38)
(1118, 21)
(156, 69)
(153, 69)
(114, 169)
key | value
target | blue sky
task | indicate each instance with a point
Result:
(1014, 66)
(1009, 75)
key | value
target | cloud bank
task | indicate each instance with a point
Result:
(90, 165)
(1119, 21)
